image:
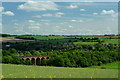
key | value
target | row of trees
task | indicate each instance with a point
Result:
(74, 58)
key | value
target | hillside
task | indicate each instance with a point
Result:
(21, 71)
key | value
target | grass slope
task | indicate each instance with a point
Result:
(111, 41)
(85, 43)
(113, 65)
(23, 71)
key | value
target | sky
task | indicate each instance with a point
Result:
(63, 0)
(59, 18)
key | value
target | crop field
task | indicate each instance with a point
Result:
(12, 39)
(23, 71)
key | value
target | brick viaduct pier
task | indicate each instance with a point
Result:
(36, 60)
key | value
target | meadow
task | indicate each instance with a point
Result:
(111, 41)
(23, 71)
(85, 43)
(113, 65)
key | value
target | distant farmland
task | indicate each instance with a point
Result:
(12, 39)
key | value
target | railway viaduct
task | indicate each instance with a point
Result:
(36, 60)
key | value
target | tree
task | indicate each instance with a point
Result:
(28, 62)
(67, 62)
(16, 60)
(36, 53)
(84, 62)
(27, 53)
(73, 63)
(13, 50)
(7, 59)
(45, 62)
(56, 61)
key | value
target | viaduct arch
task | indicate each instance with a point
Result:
(36, 60)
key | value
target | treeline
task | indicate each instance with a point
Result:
(98, 55)
(5, 35)
(24, 37)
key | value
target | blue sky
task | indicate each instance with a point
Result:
(68, 18)
(63, 0)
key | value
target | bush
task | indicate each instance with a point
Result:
(103, 67)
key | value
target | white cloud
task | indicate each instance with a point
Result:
(31, 21)
(73, 20)
(1, 9)
(82, 10)
(72, 6)
(95, 13)
(44, 20)
(57, 26)
(16, 24)
(70, 26)
(80, 20)
(76, 20)
(19, 30)
(38, 6)
(33, 24)
(108, 12)
(60, 13)
(46, 23)
(8, 13)
(88, 1)
(47, 15)
(34, 27)
(38, 16)
(61, 23)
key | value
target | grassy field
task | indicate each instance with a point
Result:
(113, 65)
(23, 71)
(111, 41)
(85, 43)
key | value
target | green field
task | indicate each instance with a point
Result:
(85, 43)
(111, 41)
(106, 41)
(113, 65)
(23, 71)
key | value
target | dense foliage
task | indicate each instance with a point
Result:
(64, 52)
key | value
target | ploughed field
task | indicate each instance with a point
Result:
(23, 71)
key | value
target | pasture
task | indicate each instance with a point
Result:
(113, 65)
(111, 41)
(85, 43)
(23, 71)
